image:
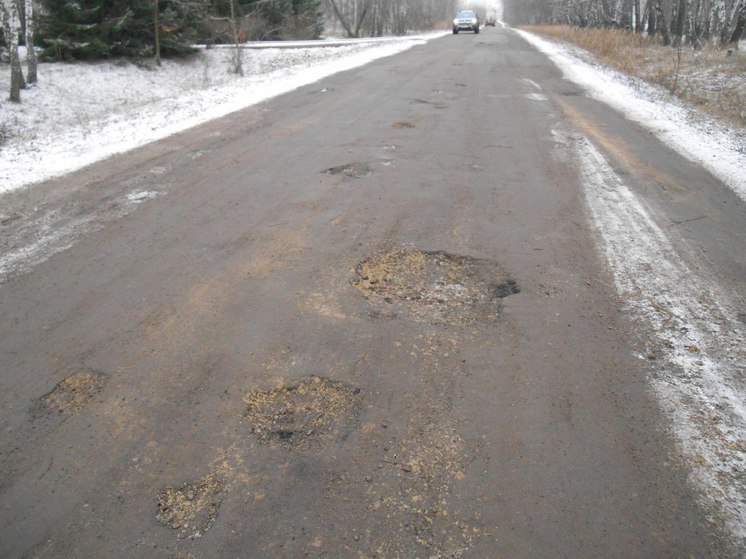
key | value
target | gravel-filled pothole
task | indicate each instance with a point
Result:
(74, 393)
(307, 415)
(193, 507)
(434, 287)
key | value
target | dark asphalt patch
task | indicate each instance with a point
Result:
(308, 415)
(6, 220)
(402, 125)
(436, 104)
(74, 393)
(354, 170)
(433, 287)
(192, 508)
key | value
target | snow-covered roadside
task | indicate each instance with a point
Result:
(82, 113)
(713, 145)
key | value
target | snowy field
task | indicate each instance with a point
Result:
(81, 113)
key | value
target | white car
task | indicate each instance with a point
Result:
(466, 20)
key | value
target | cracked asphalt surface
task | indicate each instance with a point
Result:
(190, 368)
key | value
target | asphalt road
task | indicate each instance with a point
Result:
(368, 318)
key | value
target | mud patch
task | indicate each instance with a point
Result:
(74, 393)
(403, 125)
(353, 170)
(192, 508)
(308, 415)
(433, 287)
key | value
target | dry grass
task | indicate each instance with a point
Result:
(710, 78)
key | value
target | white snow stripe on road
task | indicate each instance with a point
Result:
(56, 232)
(698, 341)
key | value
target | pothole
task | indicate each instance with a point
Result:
(192, 508)
(353, 170)
(434, 287)
(74, 393)
(310, 414)
(403, 125)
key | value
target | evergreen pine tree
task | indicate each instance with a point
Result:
(89, 29)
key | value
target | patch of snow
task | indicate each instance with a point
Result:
(536, 96)
(56, 230)
(709, 143)
(142, 195)
(84, 112)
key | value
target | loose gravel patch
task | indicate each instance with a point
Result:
(74, 393)
(308, 415)
(192, 508)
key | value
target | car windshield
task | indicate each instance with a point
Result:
(466, 13)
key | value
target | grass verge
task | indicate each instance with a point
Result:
(712, 78)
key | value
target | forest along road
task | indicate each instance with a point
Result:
(424, 308)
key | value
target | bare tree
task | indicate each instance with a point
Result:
(31, 74)
(737, 22)
(237, 51)
(680, 23)
(237, 35)
(676, 21)
(351, 14)
(375, 18)
(157, 31)
(12, 30)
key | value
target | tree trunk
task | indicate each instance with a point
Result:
(721, 21)
(680, 23)
(663, 25)
(360, 20)
(30, 50)
(342, 20)
(638, 17)
(652, 18)
(157, 32)
(237, 52)
(739, 28)
(11, 30)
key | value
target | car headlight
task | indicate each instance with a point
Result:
(455, 22)
(473, 21)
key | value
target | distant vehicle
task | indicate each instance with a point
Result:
(466, 20)
(491, 18)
